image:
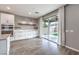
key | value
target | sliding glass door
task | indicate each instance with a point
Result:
(46, 29)
(51, 29)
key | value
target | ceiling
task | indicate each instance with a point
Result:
(29, 10)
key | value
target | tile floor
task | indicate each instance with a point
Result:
(38, 46)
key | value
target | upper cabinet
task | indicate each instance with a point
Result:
(7, 19)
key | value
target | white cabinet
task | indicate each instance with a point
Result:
(7, 19)
(24, 34)
(7, 23)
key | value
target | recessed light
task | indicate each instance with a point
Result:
(36, 12)
(8, 7)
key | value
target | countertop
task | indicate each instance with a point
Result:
(4, 36)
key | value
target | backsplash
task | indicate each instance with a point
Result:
(19, 19)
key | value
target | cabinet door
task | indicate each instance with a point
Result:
(10, 19)
(7, 19)
(4, 18)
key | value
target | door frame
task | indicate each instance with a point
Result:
(61, 15)
(61, 26)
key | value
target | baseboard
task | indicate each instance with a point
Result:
(72, 48)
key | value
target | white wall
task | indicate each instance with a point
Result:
(41, 27)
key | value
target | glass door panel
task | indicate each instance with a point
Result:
(46, 29)
(50, 27)
(53, 31)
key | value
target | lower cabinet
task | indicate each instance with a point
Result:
(24, 34)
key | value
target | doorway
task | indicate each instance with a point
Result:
(51, 29)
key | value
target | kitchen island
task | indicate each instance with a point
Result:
(4, 44)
